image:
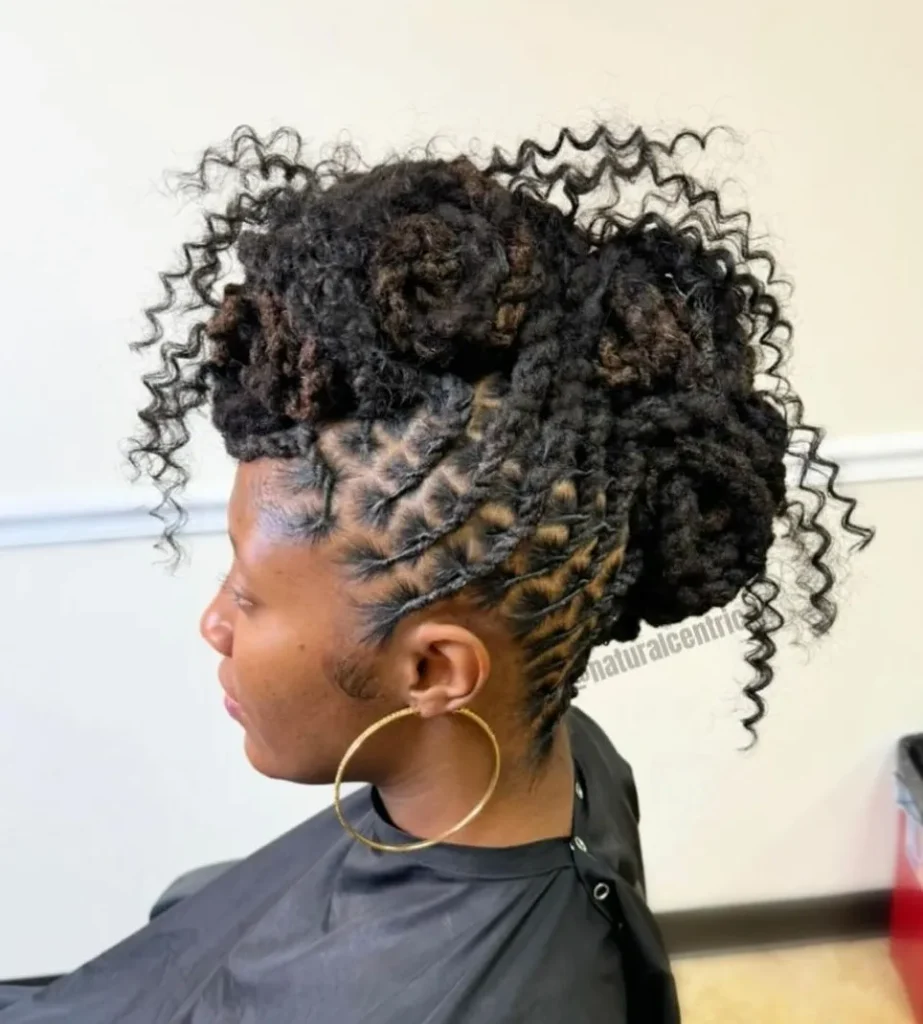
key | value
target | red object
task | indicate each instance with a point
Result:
(907, 900)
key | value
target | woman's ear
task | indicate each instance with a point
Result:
(447, 666)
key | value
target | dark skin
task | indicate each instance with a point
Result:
(303, 687)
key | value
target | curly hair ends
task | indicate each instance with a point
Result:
(568, 405)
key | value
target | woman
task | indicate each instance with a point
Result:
(485, 420)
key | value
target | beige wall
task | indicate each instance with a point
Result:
(116, 768)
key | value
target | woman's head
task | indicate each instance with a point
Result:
(483, 416)
(291, 622)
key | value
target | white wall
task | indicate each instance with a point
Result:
(117, 768)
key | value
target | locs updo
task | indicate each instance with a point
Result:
(573, 412)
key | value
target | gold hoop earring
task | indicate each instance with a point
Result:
(422, 844)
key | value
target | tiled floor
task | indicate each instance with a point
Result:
(845, 983)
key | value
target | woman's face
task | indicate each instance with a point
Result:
(283, 623)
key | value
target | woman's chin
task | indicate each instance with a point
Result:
(267, 763)
(262, 759)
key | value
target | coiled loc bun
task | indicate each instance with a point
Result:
(571, 407)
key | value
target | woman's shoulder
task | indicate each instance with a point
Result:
(607, 809)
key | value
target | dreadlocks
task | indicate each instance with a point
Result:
(516, 388)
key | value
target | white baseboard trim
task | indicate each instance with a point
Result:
(33, 522)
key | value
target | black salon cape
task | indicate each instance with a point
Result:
(315, 928)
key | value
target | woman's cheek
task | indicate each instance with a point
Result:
(271, 676)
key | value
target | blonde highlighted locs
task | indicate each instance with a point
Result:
(572, 407)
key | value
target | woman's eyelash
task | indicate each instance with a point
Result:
(236, 596)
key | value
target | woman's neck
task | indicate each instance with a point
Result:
(450, 773)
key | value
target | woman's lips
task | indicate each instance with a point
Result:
(232, 708)
(230, 705)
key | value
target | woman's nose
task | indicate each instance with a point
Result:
(216, 628)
